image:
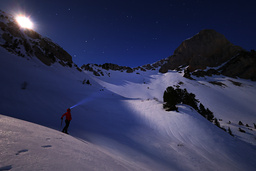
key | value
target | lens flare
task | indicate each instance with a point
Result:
(24, 22)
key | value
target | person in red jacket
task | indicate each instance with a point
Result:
(67, 121)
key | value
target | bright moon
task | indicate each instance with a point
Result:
(24, 22)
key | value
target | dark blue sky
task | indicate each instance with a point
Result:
(135, 32)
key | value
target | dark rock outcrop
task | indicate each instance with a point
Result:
(98, 69)
(242, 65)
(92, 68)
(115, 67)
(207, 48)
(209, 72)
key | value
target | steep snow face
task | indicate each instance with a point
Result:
(121, 114)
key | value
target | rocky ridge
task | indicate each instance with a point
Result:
(98, 70)
(243, 66)
(205, 54)
(207, 49)
(211, 49)
(28, 43)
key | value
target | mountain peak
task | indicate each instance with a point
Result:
(28, 43)
(207, 48)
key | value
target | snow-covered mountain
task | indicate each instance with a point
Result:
(118, 119)
(28, 43)
(209, 48)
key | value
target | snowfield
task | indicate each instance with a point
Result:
(118, 121)
(27, 146)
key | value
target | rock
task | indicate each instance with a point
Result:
(87, 67)
(210, 72)
(243, 66)
(187, 74)
(96, 73)
(129, 70)
(14, 38)
(207, 48)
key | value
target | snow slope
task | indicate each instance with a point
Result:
(121, 120)
(27, 146)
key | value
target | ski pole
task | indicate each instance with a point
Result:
(61, 124)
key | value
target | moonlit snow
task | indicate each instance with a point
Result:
(119, 122)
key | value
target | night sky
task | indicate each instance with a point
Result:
(134, 32)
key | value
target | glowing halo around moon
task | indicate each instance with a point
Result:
(24, 22)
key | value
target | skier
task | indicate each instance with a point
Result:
(67, 121)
